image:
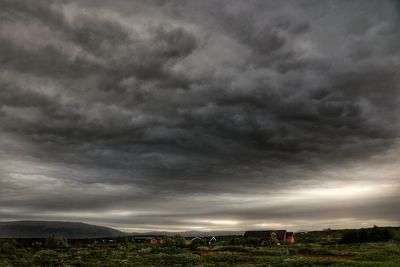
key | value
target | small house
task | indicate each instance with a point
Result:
(211, 240)
(290, 237)
(206, 239)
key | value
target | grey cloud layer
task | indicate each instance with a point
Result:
(172, 99)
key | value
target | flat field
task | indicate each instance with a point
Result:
(311, 249)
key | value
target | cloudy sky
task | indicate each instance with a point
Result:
(200, 115)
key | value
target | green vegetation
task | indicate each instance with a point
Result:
(324, 248)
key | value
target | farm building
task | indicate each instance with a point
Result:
(290, 237)
(268, 235)
(206, 239)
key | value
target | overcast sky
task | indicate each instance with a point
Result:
(200, 115)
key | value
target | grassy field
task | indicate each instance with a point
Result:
(311, 249)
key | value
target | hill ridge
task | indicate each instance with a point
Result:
(43, 229)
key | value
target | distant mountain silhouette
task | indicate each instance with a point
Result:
(43, 229)
(76, 230)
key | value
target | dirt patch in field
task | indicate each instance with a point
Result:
(346, 257)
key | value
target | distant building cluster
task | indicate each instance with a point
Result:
(264, 237)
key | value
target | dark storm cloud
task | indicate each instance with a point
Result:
(141, 103)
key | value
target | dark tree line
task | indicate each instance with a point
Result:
(375, 234)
